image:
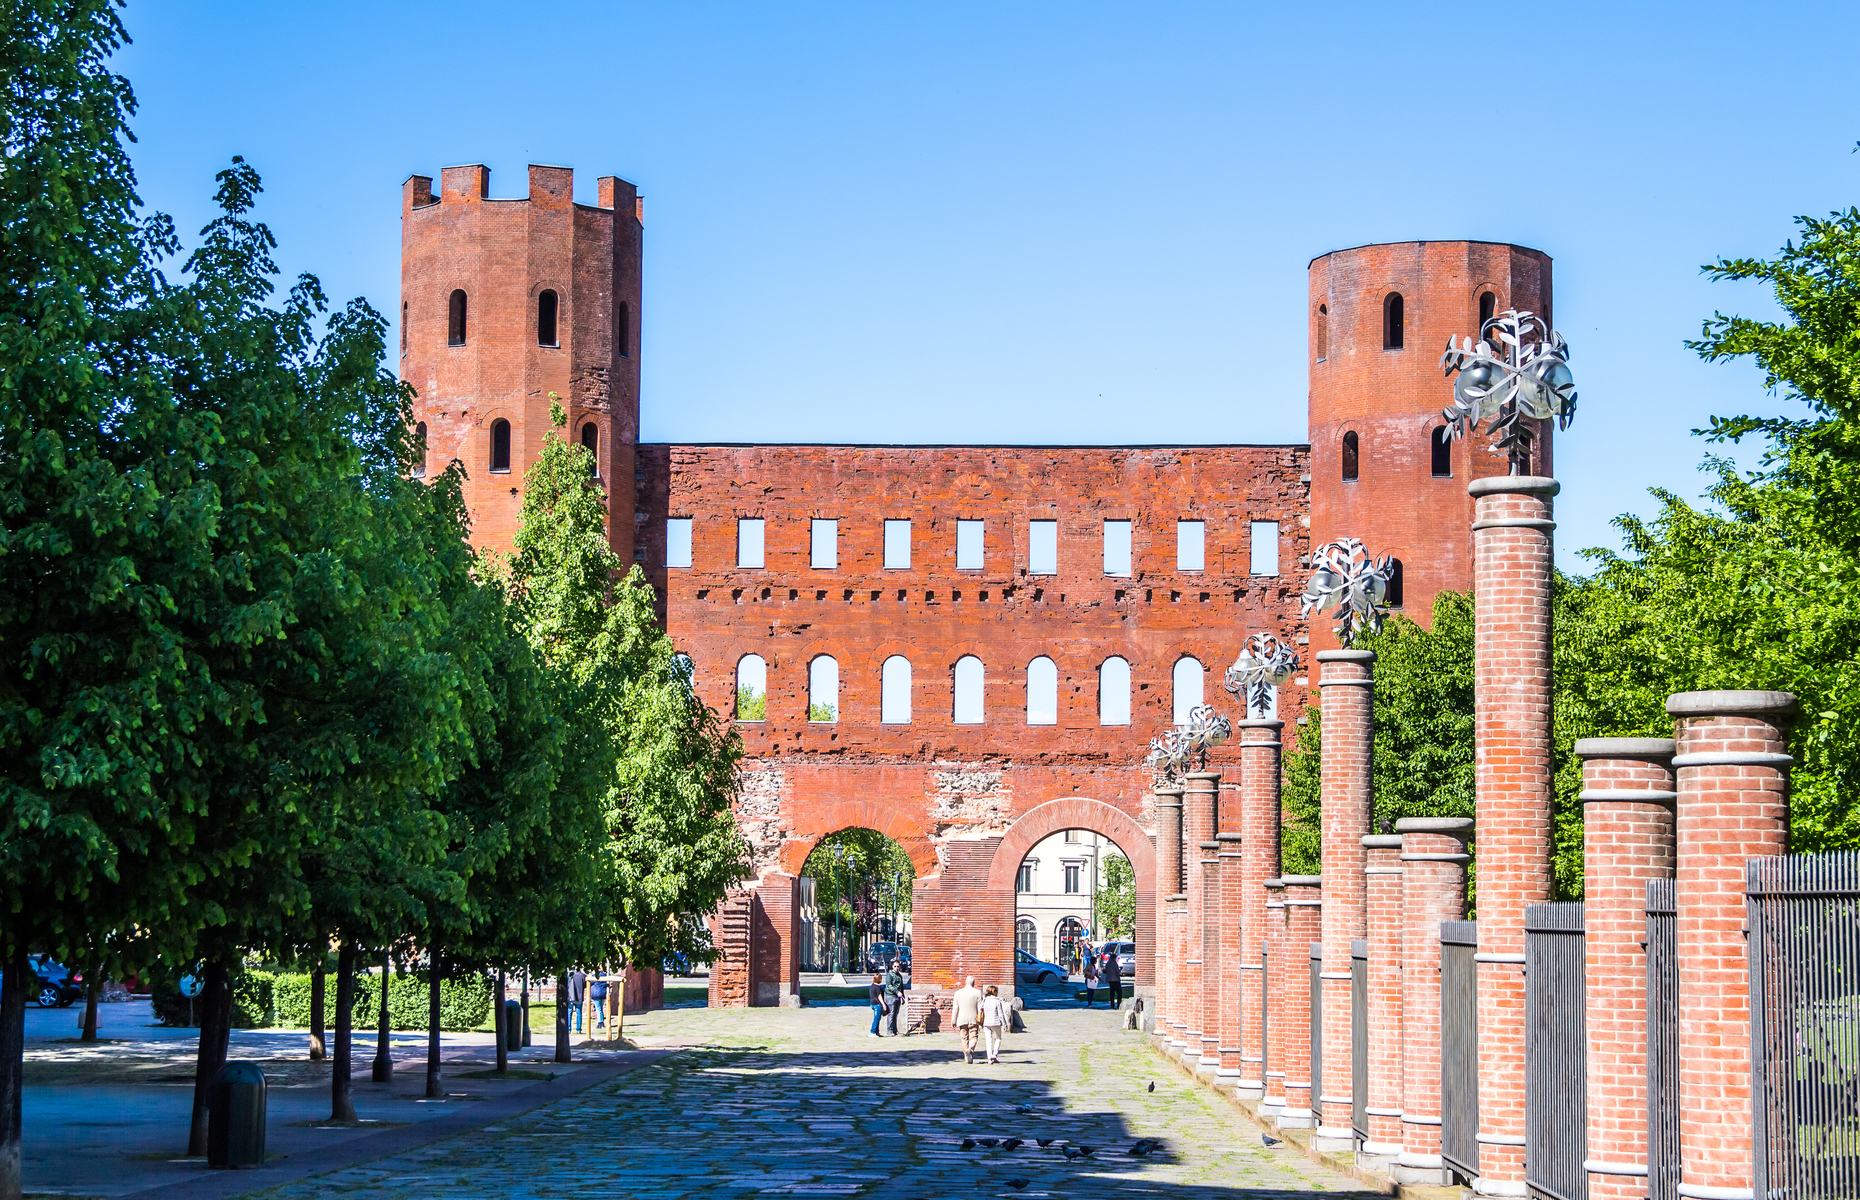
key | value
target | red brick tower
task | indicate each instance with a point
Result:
(1379, 318)
(506, 301)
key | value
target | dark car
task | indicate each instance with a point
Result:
(879, 955)
(1031, 972)
(53, 986)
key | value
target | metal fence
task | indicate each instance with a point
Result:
(1662, 1041)
(1556, 1043)
(1804, 935)
(1459, 1047)
(1265, 1027)
(1359, 1038)
(1317, 1027)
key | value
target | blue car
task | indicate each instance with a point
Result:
(1031, 972)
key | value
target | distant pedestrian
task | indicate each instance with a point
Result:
(967, 1013)
(597, 1004)
(994, 1021)
(894, 997)
(577, 993)
(1091, 978)
(875, 995)
(1114, 978)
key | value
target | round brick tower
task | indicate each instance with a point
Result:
(1379, 318)
(504, 302)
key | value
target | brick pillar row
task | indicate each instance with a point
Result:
(1207, 1058)
(1382, 878)
(1733, 783)
(1167, 966)
(1304, 905)
(1627, 839)
(1259, 848)
(1276, 937)
(1225, 956)
(1347, 710)
(1433, 886)
(1512, 547)
(1197, 835)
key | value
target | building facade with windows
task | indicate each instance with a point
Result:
(1055, 894)
(935, 641)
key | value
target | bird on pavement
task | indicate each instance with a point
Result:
(1069, 1152)
(1270, 1141)
(1045, 1142)
(1142, 1147)
(990, 1142)
(968, 1143)
(1012, 1143)
(1152, 1085)
(1018, 1184)
(1086, 1151)
(1024, 1108)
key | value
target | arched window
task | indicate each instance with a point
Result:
(1350, 462)
(1026, 933)
(823, 689)
(1187, 687)
(752, 688)
(455, 319)
(1488, 305)
(1114, 692)
(1321, 334)
(1392, 318)
(1394, 596)
(968, 709)
(1440, 443)
(1042, 692)
(623, 330)
(419, 449)
(894, 691)
(545, 319)
(591, 439)
(500, 445)
(681, 662)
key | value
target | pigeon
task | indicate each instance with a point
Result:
(968, 1143)
(990, 1142)
(1024, 1108)
(1087, 1150)
(1069, 1152)
(1152, 1086)
(1018, 1184)
(1045, 1142)
(1270, 1141)
(1143, 1147)
(1012, 1143)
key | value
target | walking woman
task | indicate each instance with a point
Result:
(994, 1021)
(876, 994)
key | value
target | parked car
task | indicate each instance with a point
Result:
(879, 955)
(54, 985)
(1031, 972)
(1126, 957)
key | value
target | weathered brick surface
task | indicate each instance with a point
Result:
(1392, 400)
(1382, 887)
(1433, 884)
(1198, 843)
(1258, 827)
(731, 976)
(1627, 839)
(1733, 782)
(1168, 958)
(1277, 936)
(777, 930)
(1291, 1009)
(1511, 674)
(1346, 681)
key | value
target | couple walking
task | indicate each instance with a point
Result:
(886, 994)
(981, 1011)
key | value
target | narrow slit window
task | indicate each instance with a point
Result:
(403, 327)
(749, 542)
(1350, 460)
(1488, 307)
(1393, 319)
(968, 705)
(1114, 692)
(897, 545)
(678, 541)
(500, 445)
(545, 319)
(894, 691)
(1394, 595)
(1321, 333)
(623, 330)
(968, 545)
(824, 545)
(752, 681)
(419, 450)
(1042, 692)
(1187, 680)
(823, 689)
(1191, 545)
(1264, 548)
(591, 441)
(1440, 446)
(455, 319)
(1043, 547)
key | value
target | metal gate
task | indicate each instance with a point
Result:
(1459, 1047)
(1317, 1031)
(1804, 923)
(1662, 1041)
(1265, 1029)
(1359, 1038)
(1556, 1043)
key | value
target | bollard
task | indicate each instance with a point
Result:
(236, 1116)
(513, 1025)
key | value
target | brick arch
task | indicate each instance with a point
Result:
(1095, 816)
(905, 828)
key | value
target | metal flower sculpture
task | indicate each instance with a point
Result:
(1350, 583)
(1176, 751)
(1264, 663)
(1518, 368)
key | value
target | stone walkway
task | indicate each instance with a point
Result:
(774, 1101)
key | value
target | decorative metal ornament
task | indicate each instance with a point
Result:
(1355, 587)
(1518, 368)
(1264, 663)
(1174, 753)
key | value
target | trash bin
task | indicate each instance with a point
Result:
(513, 1025)
(236, 1116)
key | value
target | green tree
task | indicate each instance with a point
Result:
(1116, 915)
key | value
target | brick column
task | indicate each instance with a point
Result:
(1347, 706)
(1167, 966)
(1259, 848)
(1228, 952)
(1277, 935)
(1733, 770)
(1433, 889)
(1197, 835)
(1382, 889)
(1627, 839)
(1213, 962)
(1304, 922)
(1511, 751)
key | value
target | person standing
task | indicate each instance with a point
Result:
(875, 995)
(1114, 978)
(577, 992)
(994, 1021)
(968, 1016)
(894, 996)
(597, 1004)
(1091, 978)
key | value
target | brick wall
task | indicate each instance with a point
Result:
(1346, 767)
(1259, 846)
(1433, 882)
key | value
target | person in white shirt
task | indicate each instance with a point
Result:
(967, 1003)
(994, 1021)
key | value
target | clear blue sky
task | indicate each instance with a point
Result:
(1052, 222)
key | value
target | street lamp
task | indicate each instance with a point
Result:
(1174, 752)
(1518, 368)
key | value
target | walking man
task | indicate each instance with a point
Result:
(968, 1016)
(1114, 977)
(577, 991)
(894, 996)
(597, 1004)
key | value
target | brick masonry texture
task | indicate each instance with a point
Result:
(1433, 884)
(1627, 839)
(1346, 680)
(1382, 887)
(1292, 1008)
(1259, 847)
(1277, 936)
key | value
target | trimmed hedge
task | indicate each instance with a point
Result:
(252, 1001)
(262, 1000)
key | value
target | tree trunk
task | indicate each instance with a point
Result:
(526, 1008)
(317, 1050)
(93, 990)
(13, 985)
(497, 1022)
(341, 1099)
(384, 1054)
(561, 1017)
(435, 962)
(215, 1034)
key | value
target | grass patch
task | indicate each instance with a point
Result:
(542, 1023)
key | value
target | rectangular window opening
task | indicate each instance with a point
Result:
(678, 542)
(1264, 548)
(897, 545)
(1043, 547)
(1117, 547)
(1191, 545)
(825, 551)
(968, 545)
(749, 542)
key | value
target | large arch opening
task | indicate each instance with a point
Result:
(1074, 910)
(856, 890)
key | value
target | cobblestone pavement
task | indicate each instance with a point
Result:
(774, 1101)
